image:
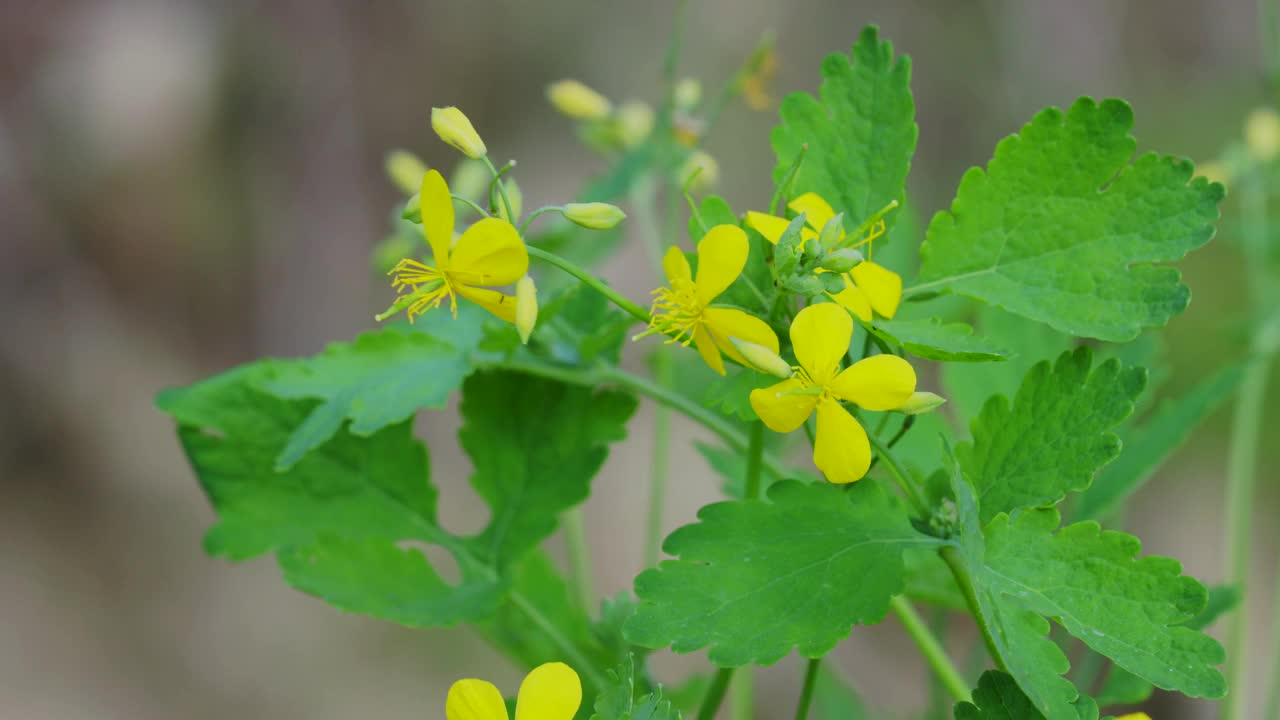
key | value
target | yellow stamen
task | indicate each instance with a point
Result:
(410, 274)
(676, 312)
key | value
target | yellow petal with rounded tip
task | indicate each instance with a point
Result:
(1135, 716)
(882, 286)
(770, 226)
(722, 253)
(725, 323)
(489, 253)
(474, 700)
(820, 336)
(707, 349)
(504, 306)
(780, 408)
(676, 265)
(437, 216)
(880, 382)
(853, 299)
(841, 449)
(550, 692)
(816, 210)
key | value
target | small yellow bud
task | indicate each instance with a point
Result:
(920, 403)
(575, 100)
(517, 201)
(454, 128)
(688, 93)
(405, 170)
(1213, 171)
(635, 122)
(762, 358)
(596, 215)
(706, 168)
(526, 307)
(1262, 133)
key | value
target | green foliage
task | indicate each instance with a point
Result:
(968, 386)
(860, 135)
(619, 701)
(1060, 228)
(1055, 435)
(997, 697)
(755, 579)
(932, 339)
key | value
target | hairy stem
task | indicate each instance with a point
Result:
(575, 535)
(742, 695)
(502, 188)
(806, 691)
(961, 573)
(715, 694)
(931, 648)
(658, 464)
(592, 281)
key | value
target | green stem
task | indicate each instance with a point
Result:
(952, 558)
(906, 484)
(742, 695)
(934, 654)
(658, 464)
(592, 281)
(524, 227)
(755, 461)
(470, 204)
(575, 535)
(806, 691)
(715, 694)
(571, 651)
(502, 188)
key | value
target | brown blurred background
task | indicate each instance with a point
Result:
(189, 185)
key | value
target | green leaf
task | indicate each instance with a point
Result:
(338, 518)
(381, 378)
(860, 135)
(931, 339)
(1053, 438)
(755, 579)
(731, 394)
(619, 701)
(1149, 445)
(1060, 228)
(998, 697)
(535, 445)
(731, 466)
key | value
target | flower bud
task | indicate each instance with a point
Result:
(635, 122)
(596, 215)
(832, 283)
(526, 307)
(841, 260)
(413, 209)
(920, 403)
(762, 358)
(1262, 133)
(833, 231)
(706, 167)
(405, 170)
(517, 201)
(454, 128)
(575, 100)
(688, 93)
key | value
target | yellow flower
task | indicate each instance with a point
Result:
(684, 309)
(550, 692)
(488, 253)
(1135, 716)
(868, 286)
(454, 128)
(820, 336)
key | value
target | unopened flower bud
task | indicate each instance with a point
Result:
(635, 122)
(405, 170)
(413, 209)
(841, 261)
(688, 93)
(920, 403)
(517, 201)
(575, 100)
(762, 358)
(526, 307)
(832, 283)
(596, 215)
(706, 168)
(454, 128)
(1262, 133)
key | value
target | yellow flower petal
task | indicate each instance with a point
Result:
(816, 210)
(504, 306)
(852, 298)
(437, 216)
(841, 450)
(474, 700)
(1135, 716)
(707, 348)
(725, 323)
(770, 226)
(781, 409)
(722, 253)
(882, 286)
(676, 265)
(550, 692)
(489, 253)
(880, 382)
(820, 335)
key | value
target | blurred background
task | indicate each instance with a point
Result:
(185, 186)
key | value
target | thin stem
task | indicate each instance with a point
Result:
(908, 486)
(934, 654)
(592, 281)
(524, 227)
(571, 651)
(575, 535)
(715, 694)
(470, 204)
(1273, 696)
(658, 463)
(502, 188)
(952, 558)
(755, 461)
(806, 691)
(742, 695)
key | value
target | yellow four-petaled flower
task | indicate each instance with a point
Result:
(550, 692)
(487, 254)
(820, 336)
